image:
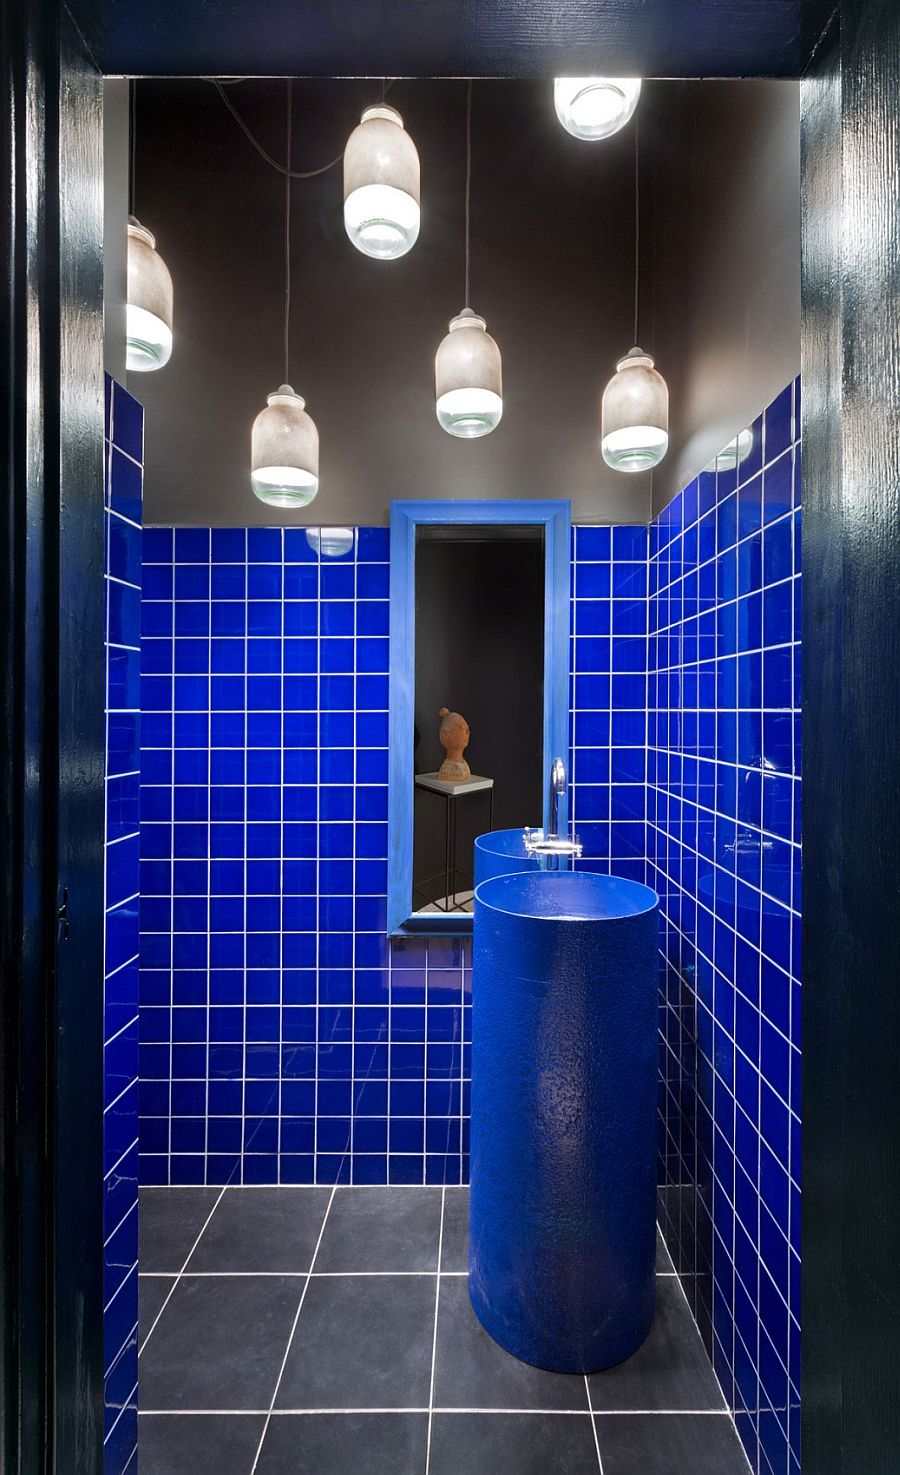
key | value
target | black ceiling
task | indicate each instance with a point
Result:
(445, 38)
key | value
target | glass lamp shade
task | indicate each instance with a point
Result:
(595, 107)
(735, 452)
(148, 310)
(381, 185)
(284, 452)
(330, 542)
(635, 415)
(467, 378)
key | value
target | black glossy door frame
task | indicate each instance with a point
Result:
(51, 748)
(51, 742)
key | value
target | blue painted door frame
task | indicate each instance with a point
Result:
(555, 519)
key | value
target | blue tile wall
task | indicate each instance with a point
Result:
(122, 579)
(608, 695)
(284, 1039)
(723, 851)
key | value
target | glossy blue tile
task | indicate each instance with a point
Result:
(722, 760)
(122, 570)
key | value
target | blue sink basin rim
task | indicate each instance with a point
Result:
(504, 842)
(566, 896)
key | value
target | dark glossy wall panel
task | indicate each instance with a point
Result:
(506, 38)
(852, 705)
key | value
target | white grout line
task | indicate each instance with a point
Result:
(562, 1413)
(727, 1411)
(437, 1299)
(587, 1389)
(180, 1273)
(301, 1274)
(262, 1438)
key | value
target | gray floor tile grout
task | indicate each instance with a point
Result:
(725, 1409)
(180, 1273)
(319, 1275)
(299, 1274)
(287, 1349)
(587, 1389)
(432, 1409)
(565, 1413)
(437, 1302)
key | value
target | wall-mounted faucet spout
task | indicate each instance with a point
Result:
(555, 843)
(557, 795)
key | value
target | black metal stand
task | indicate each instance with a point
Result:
(422, 891)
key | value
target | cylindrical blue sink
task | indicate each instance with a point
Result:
(501, 852)
(562, 1237)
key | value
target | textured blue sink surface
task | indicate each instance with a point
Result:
(565, 1060)
(566, 896)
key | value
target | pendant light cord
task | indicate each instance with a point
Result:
(280, 168)
(468, 177)
(264, 153)
(637, 229)
(287, 233)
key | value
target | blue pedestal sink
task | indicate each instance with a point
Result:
(501, 851)
(562, 1238)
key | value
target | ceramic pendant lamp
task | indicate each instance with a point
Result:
(148, 309)
(634, 408)
(284, 442)
(381, 185)
(467, 367)
(595, 107)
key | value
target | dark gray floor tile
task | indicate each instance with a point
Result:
(513, 1444)
(670, 1371)
(262, 1229)
(345, 1444)
(669, 1444)
(382, 1229)
(152, 1292)
(455, 1243)
(219, 1343)
(362, 1342)
(664, 1264)
(198, 1444)
(471, 1371)
(170, 1220)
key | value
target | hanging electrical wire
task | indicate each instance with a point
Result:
(221, 83)
(264, 153)
(467, 366)
(149, 295)
(284, 441)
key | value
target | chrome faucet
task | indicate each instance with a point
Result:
(552, 845)
(557, 794)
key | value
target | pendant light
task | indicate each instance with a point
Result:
(736, 451)
(331, 542)
(284, 464)
(148, 297)
(381, 185)
(148, 308)
(467, 367)
(635, 406)
(595, 107)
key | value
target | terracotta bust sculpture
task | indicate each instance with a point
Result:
(454, 737)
